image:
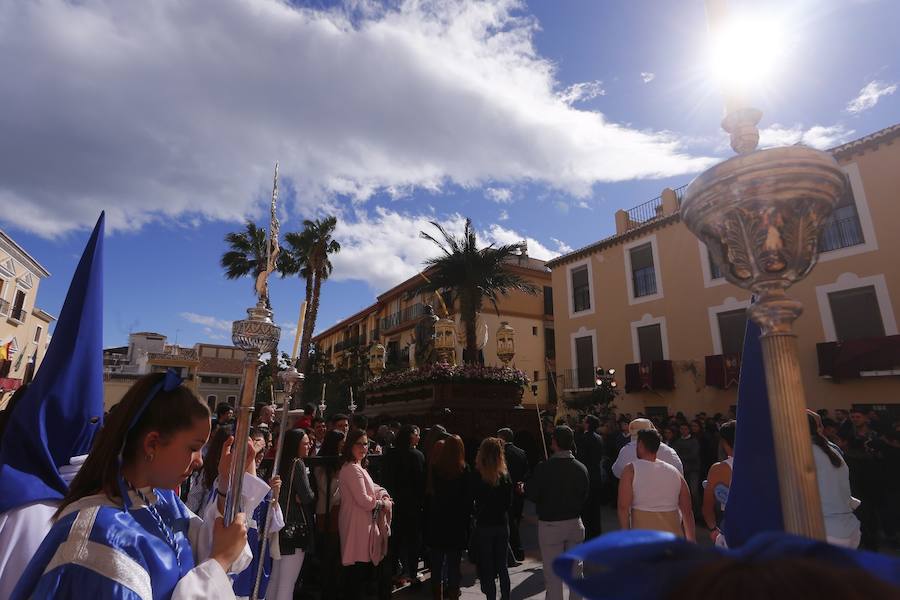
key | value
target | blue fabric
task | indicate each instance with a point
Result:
(242, 583)
(644, 565)
(62, 409)
(754, 502)
(134, 533)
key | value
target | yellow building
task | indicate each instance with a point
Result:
(648, 302)
(24, 328)
(393, 317)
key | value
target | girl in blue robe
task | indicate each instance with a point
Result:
(245, 580)
(121, 532)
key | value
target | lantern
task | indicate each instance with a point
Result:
(445, 339)
(376, 359)
(506, 342)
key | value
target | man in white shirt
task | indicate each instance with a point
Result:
(628, 454)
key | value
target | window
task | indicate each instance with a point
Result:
(581, 291)
(732, 325)
(650, 343)
(842, 229)
(232, 399)
(856, 313)
(212, 399)
(37, 334)
(548, 300)
(549, 343)
(534, 331)
(536, 377)
(18, 312)
(643, 275)
(584, 362)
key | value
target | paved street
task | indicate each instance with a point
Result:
(528, 578)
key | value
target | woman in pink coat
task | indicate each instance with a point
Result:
(360, 499)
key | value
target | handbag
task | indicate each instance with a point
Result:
(295, 531)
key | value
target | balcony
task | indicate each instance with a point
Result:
(841, 231)
(866, 357)
(582, 378)
(410, 313)
(350, 342)
(650, 210)
(723, 370)
(644, 282)
(649, 376)
(18, 314)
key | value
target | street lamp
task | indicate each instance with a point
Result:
(506, 343)
(760, 214)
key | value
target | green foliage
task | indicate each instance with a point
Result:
(471, 274)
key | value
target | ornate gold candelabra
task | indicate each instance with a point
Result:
(256, 335)
(760, 214)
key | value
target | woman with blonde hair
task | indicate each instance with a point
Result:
(493, 491)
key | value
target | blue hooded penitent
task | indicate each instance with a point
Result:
(754, 502)
(62, 409)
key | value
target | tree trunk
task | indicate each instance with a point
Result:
(306, 334)
(313, 311)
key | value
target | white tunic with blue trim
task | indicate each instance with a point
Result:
(98, 551)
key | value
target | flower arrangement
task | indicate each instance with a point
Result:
(446, 373)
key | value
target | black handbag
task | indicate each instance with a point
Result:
(296, 531)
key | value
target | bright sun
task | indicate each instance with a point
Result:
(745, 52)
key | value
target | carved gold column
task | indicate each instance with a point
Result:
(760, 214)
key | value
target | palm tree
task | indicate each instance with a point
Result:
(249, 253)
(307, 254)
(471, 274)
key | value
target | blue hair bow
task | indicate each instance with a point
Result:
(168, 383)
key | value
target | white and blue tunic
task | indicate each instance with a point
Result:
(98, 551)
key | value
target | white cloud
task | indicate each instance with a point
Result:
(817, 136)
(160, 109)
(499, 195)
(869, 95)
(385, 249)
(504, 216)
(500, 235)
(647, 76)
(207, 321)
(582, 92)
(561, 246)
(583, 204)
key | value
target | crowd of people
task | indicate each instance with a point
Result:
(354, 507)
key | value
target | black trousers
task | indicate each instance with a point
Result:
(592, 515)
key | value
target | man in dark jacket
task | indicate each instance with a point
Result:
(559, 489)
(404, 478)
(517, 464)
(590, 454)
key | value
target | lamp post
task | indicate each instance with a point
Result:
(760, 214)
(506, 343)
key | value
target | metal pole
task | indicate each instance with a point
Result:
(241, 435)
(290, 379)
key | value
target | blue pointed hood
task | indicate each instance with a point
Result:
(754, 501)
(62, 409)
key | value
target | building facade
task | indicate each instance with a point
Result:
(213, 372)
(649, 302)
(24, 328)
(392, 320)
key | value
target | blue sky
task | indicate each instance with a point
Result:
(537, 120)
